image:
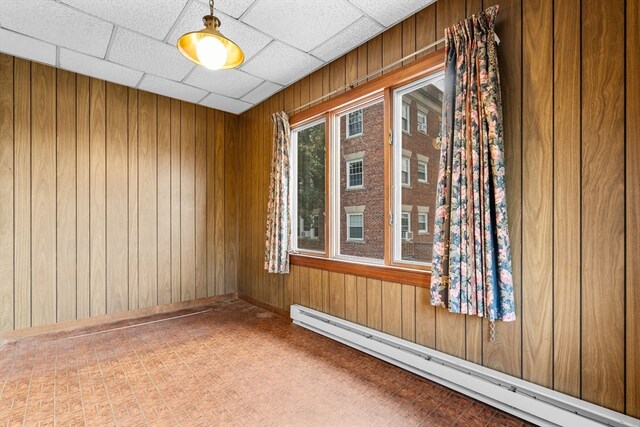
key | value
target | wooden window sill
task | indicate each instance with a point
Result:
(406, 276)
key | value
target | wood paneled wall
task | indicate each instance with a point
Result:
(111, 198)
(571, 100)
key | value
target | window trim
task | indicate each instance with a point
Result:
(426, 223)
(426, 172)
(380, 86)
(406, 159)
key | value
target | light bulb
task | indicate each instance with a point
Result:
(211, 53)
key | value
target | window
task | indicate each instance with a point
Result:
(422, 223)
(330, 198)
(355, 174)
(355, 226)
(406, 168)
(422, 171)
(422, 122)
(308, 186)
(354, 127)
(425, 96)
(405, 226)
(406, 123)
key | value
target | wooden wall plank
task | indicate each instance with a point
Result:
(350, 298)
(351, 66)
(211, 203)
(336, 294)
(230, 206)
(426, 28)
(66, 196)
(633, 210)
(537, 195)
(187, 201)
(147, 200)
(6, 193)
(219, 200)
(603, 203)
(306, 276)
(116, 198)
(566, 198)
(97, 212)
(362, 300)
(425, 319)
(201, 202)
(83, 197)
(408, 38)
(176, 165)
(43, 194)
(392, 308)
(505, 354)
(408, 312)
(374, 304)
(164, 199)
(374, 56)
(363, 61)
(392, 46)
(338, 74)
(315, 288)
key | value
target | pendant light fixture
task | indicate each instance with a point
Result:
(208, 47)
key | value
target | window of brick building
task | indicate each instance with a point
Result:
(422, 223)
(406, 170)
(406, 117)
(355, 173)
(355, 126)
(405, 226)
(422, 171)
(422, 122)
(355, 226)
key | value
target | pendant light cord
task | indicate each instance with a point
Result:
(211, 6)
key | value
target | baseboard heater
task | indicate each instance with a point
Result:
(521, 398)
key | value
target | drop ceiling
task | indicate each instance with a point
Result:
(132, 42)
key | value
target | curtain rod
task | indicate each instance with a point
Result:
(358, 80)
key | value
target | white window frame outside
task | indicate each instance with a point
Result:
(396, 121)
(423, 114)
(408, 230)
(347, 123)
(293, 194)
(354, 239)
(348, 174)
(425, 222)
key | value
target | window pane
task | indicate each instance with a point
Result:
(405, 117)
(361, 185)
(311, 187)
(425, 103)
(406, 168)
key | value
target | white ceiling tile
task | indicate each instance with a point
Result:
(26, 47)
(354, 35)
(171, 89)
(233, 83)
(99, 68)
(146, 54)
(224, 103)
(388, 12)
(57, 24)
(249, 40)
(281, 64)
(303, 24)
(151, 17)
(233, 8)
(262, 92)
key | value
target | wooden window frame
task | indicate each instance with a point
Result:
(418, 275)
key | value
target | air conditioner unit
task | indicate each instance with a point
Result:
(422, 127)
(407, 235)
(305, 234)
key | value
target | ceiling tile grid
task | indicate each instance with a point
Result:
(132, 42)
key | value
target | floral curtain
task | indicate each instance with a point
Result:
(276, 256)
(471, 256)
